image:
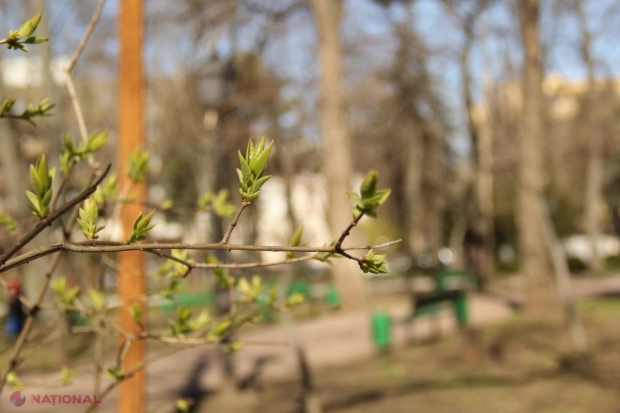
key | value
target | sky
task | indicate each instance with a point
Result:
(366, 31)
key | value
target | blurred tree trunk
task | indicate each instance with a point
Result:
(482, 148)
(594, 186)
(563, 282)
(414, 210)
(285, 157)
(533, 259)
(337, 151)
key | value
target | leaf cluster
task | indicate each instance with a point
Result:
(369, 198)
(8, 222)
(140, 227)
(138, 165)
(253, 166)
(218, 203)
(250, 289)
(88, 218)
(374, 264)
(41, 180)
(97, 300)
(136, 313)
(107, 191)
(65, 294)
(41, 109)
(173, 269)
(67, 376)
(185, 324)
(73, 154)
(222, 275)
(23, 34)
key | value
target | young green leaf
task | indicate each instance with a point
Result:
(369, 198)
(36, 40)
(41, 180)
(184, 405)
(8, 223)
(13, 380)
(220, 329)
(140, 227)
(295, 241)
(114, 372)
(138, 165)
(66, 295)
(259, 162)
(224, 280)
(27, 28)
(250, 290)
(136, 313)
(97, 300)
(374, 264)
(294, 300)
(88, 218)
(253, 166)
(67, 376)
(369, 184)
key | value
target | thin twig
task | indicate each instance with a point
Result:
(338, 246)
(77, 108)
(23, 335)
(129, 373)
(233, 223)
(63, 183)
(84, 40)
(347, 231)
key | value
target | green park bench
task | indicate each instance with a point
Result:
(188, 299)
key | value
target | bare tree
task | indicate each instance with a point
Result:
(338, 158)
(481, 140)
(534, 263)
(594, 188)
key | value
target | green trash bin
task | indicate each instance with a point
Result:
(381, 330)
(332, 298)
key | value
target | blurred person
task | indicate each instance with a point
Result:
(15, 316)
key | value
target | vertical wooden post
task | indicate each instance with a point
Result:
(131, 135)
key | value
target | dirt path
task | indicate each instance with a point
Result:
(338, 339)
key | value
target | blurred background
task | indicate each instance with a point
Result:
(494, 122)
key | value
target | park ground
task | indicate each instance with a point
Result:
(503, 363)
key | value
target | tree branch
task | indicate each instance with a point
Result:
(84, 40)
(104, 246)
(44, 223)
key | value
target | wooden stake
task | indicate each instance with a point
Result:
(131, 135)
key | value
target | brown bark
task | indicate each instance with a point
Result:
(337, 151)
(534, 263)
